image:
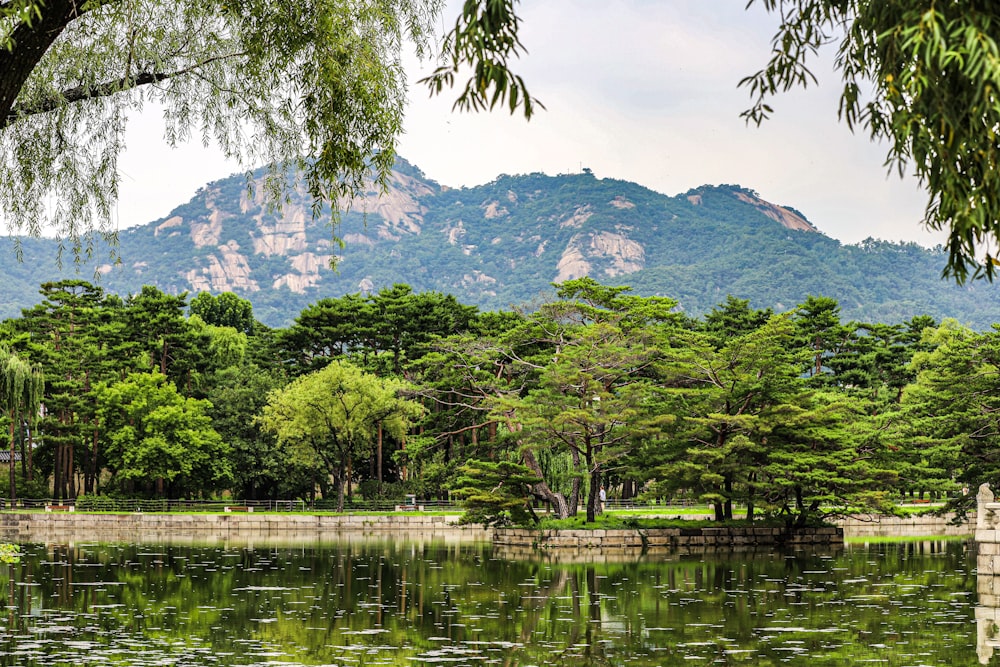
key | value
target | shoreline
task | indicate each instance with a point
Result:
(287, 528)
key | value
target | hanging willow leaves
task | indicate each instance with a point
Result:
(21, 388)
(315, 88)
(922, 77)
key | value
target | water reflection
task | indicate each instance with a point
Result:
(400, 603)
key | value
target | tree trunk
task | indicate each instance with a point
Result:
(13, 467)
(340, 490)
(378, 455)
(350, 473)
(21, 445)
(592, 495)
(729, 497)
(30, 475)
(574, 497)
(541, 490)
(30, 44)
(57, 471)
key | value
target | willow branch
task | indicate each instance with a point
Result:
(107, 88)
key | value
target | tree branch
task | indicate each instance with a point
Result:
(107, 88)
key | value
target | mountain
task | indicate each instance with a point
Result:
(503, 243)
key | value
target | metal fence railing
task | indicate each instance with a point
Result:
(105, 504)
(652, 506)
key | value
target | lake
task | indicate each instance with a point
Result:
(392, 602)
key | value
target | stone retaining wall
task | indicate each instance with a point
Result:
(662, 539)
(202, 528)
(875, 525)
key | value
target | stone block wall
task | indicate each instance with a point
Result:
(637, 541)
(210, 528)
(875, 525)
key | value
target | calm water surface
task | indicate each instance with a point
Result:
(398, 603)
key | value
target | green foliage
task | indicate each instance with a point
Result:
(9, 553)
(495, 493)
(160, 442)
(225, 310)
(485, 34)
(260, 469)
(30, 486)
(331, 417)
(315, 84)
(920, 77)
(794, 416)
(944, 431)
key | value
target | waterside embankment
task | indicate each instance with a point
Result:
(238, 528)
(922, 525)
(664, 539)
(305, 528)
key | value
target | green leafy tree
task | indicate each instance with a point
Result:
(260, 470)
(733, 318)
(382, 332)
(488, 379)
(821, 459)
(945, 432)
(333, 417)
(593, 400)
(159, 442)
(224, 310)
(77, 335)
(920, 77)
(818, 325)
(725, 398)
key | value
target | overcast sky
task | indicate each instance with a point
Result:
(641, 90)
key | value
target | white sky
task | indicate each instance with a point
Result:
(640, 90)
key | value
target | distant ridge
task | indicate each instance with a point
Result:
(502, 244)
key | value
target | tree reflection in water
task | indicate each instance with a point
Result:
(404, 603)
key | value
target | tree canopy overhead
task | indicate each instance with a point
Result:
(924, 78)
(316, 84)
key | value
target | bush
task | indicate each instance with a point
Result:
(36, 488)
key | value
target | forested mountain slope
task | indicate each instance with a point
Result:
(502, 244)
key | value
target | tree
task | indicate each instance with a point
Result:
(819, 328)
(946, 431)
(317, 85)
(495, 493)
(259, 469)
(21, 386)
(726, 398)
(531, 382)
(334, 415)
(156, 324)
(593, 400)
(381, 332)
(224, 310)
(158, 441)
(921, 77)
(821, 460)
(77, 335)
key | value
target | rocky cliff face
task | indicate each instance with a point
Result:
(595, 228)
(504, 244)
(232, 237)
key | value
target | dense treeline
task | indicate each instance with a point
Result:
(790, 415)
